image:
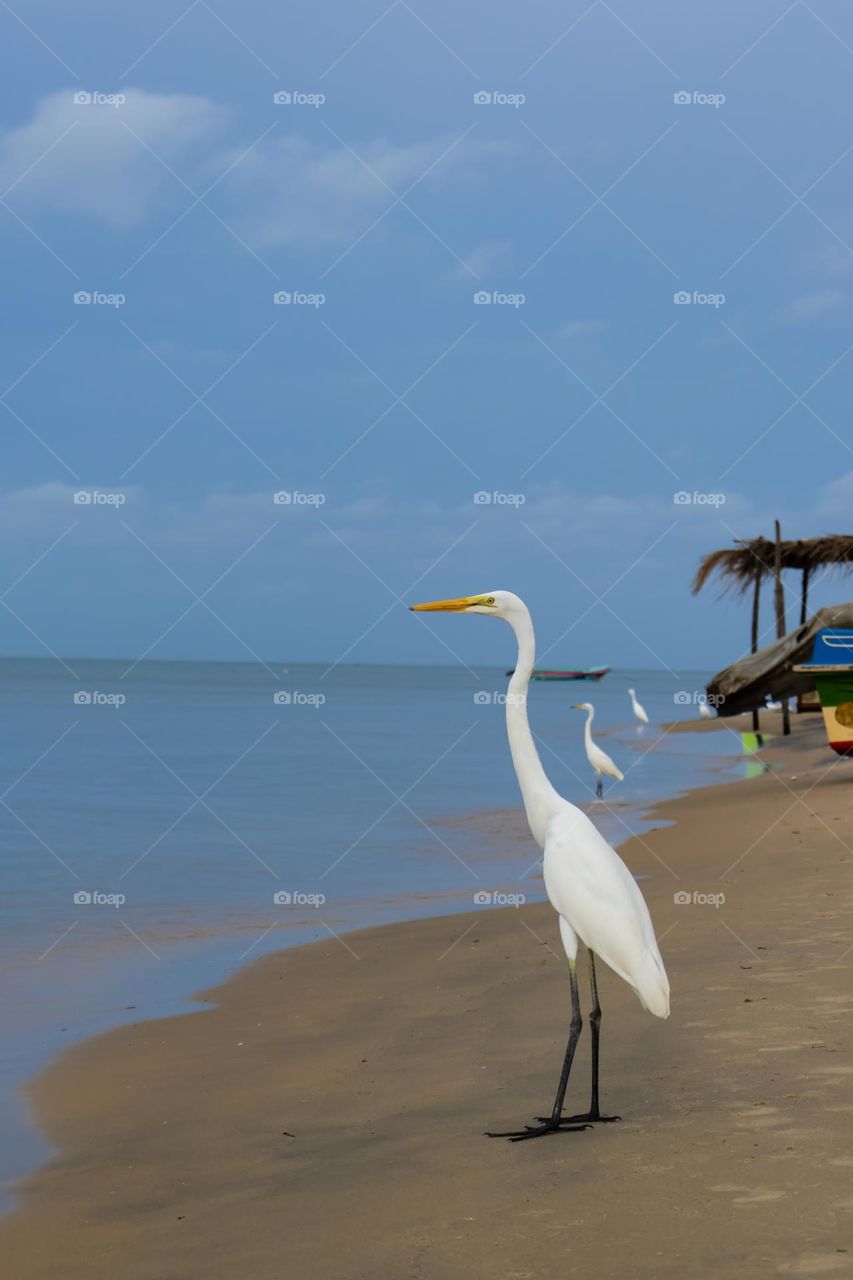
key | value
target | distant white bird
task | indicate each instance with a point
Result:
(639, 711)
(589, 886)
(599, 759)
(705, 711)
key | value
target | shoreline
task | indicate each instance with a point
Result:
(115, 969)
(399, 1045)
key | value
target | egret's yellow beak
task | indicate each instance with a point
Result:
(448, 606)
(578, 706)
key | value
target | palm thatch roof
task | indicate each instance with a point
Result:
(738, 566)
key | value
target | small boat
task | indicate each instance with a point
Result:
(588, 673)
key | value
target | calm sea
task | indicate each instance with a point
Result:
(166, 823)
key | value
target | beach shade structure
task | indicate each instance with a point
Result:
(597, 900)
(744, 567)
(831, 668)
(775, 669)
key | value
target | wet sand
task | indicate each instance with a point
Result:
(323, 1117)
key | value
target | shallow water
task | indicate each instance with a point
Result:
(183, 818)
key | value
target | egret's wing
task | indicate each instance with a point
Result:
(592, 889)
(601, 760)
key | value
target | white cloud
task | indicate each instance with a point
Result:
(113, 163)
(579, 328)
(95, 159)
(811, 306)
(481, 259)
(289, 190)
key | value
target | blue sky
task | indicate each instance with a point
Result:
(580, 399)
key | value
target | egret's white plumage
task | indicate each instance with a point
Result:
(599, 759)
(589, 886)
(639, 712)
(705, 711)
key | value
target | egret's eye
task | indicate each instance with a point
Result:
(490, 600)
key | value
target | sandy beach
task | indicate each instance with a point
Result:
(323, 1116)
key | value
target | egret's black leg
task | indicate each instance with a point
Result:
(599, 787)
(556, 1123)
(594, 1113)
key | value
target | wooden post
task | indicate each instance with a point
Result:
(779, 596)
(756, 598)
(804, 597)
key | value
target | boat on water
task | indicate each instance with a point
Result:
(587, 673)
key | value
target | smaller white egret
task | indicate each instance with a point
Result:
(639, 712)
(705, 711)
(599, 759)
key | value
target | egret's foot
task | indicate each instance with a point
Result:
(585, 1120)
(548, 1125)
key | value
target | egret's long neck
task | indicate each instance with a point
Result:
(540, 798)
(587, 729)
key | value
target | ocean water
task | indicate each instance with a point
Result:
(164, 823)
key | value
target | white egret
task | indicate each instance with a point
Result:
(599, 759)
(589, 886)
(639, 712)
(705, 711)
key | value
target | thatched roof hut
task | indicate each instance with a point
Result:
(745, 566)
(739, 566)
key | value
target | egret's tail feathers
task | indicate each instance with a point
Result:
(619, 774)
(652, 985)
